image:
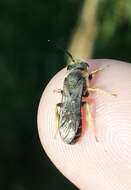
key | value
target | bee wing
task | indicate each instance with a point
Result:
(70, 120)
(76, 93)
(71, 123)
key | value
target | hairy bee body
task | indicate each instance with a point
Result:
(74, 88)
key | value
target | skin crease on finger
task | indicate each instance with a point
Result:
(91, 165)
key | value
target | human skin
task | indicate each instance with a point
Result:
(92, 165)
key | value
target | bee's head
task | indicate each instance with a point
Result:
(80, 65)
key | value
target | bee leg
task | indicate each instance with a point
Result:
(96, 71)
(57, 117)
(58, 91)
(90, 120)
(100, 91)
(91, 75)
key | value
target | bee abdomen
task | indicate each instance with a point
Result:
(76, 137)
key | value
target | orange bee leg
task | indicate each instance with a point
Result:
(89, 119)
(57, 118)
(58, 91)
(100, 91)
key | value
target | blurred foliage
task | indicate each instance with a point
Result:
(27, 63)
(113, 37)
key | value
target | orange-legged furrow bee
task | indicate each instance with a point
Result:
(76, 88)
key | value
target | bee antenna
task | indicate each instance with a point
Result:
(61, 49)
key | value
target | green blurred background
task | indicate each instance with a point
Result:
(27, 63)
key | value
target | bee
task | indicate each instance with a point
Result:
(74, 88)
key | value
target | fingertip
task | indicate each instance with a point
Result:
(88, 163)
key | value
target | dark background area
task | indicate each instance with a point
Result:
(27, 63)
